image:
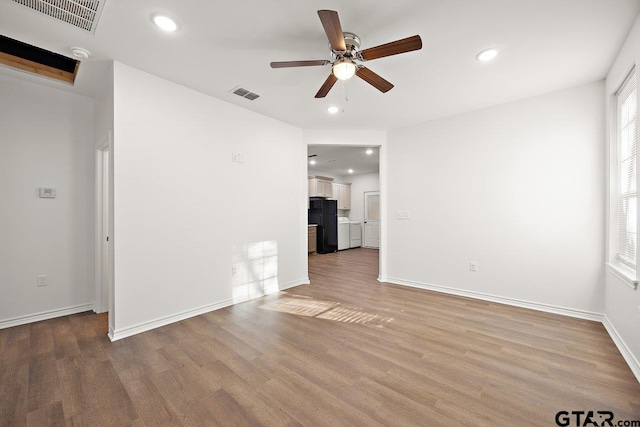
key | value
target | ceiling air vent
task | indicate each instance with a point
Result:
(244, 93)
(79, 13)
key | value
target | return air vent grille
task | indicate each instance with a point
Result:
(79, 13)
(244, 93)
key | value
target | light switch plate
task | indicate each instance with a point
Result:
(403, 215)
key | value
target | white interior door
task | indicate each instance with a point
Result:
(371, 219)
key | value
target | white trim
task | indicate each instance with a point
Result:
(46, 315)
(102, 218)
(295, 283)
(564, 311)
(622, 275)
(117, 334)
(628, 356)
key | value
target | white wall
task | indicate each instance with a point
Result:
(311, 172)
(46, 140)
(518, 188)
(183, 210)
(364, 138)
(103, 118)
(622, 302)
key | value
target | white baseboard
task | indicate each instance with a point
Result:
(295, 283)
(117, 334)
(564, 311)
(45, 315)
(633, 363)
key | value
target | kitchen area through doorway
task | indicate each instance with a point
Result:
(343, 198)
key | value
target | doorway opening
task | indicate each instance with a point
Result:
(353, 175)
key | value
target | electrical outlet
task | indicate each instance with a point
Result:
(473, 266)
(42, 280)
(237, 157)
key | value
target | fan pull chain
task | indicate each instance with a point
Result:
(346, 94)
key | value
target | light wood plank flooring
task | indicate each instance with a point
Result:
(343, 351)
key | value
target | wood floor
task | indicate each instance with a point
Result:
(343, 351)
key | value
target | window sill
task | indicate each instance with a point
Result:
(627, 276)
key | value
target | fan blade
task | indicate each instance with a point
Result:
(373, 79)
(394, 48)
(326, 86)
(331, 24)
(285, 64)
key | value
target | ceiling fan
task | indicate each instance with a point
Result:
(345, 51)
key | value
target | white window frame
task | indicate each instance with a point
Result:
(621, 266)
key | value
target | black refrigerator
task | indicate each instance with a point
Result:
(325, 213)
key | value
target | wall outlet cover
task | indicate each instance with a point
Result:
(47, 193)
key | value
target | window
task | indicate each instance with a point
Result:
(627, 133)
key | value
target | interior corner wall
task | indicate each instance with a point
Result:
(103, 118)
(103, 134)
(183, 208)
(623, 303)
(46, 140)
(517, 188)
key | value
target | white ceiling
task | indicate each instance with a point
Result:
(337, 160)
(545, 45)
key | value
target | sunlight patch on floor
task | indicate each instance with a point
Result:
(328, 310)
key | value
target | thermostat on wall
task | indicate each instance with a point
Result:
(48, 193)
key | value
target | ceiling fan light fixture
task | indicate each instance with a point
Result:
(344, 69)
(333, 109)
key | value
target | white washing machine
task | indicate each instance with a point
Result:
(355, 234)
(343, 233)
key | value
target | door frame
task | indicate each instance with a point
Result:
(377, 139)
(103, 226)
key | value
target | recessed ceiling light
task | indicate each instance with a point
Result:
(312, 162)
(350, 171)
(165, 23)
(333, 109)
(369, 151)
(487, 55)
